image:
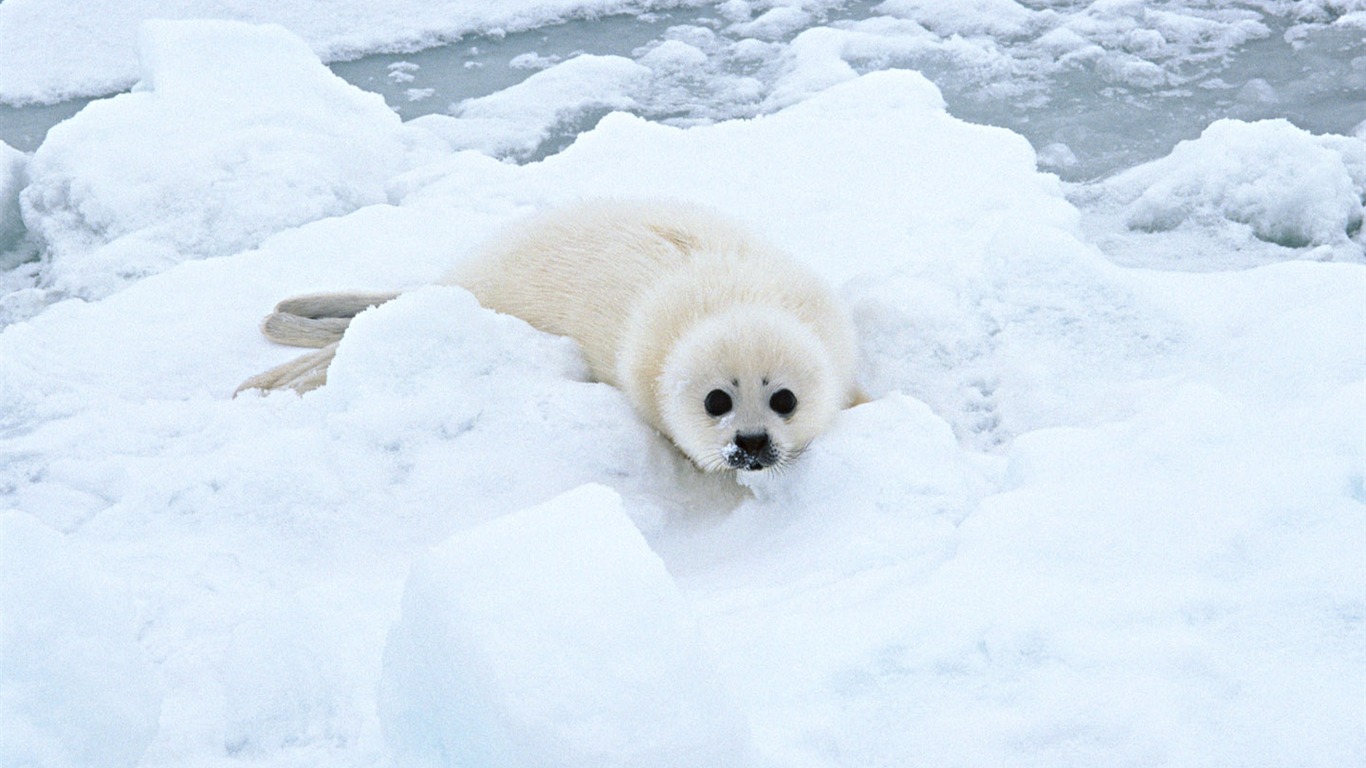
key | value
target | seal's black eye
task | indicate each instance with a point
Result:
(717, 403)
(783, 402)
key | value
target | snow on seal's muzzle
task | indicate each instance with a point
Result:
(752, 451)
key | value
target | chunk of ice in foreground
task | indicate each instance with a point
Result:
(553, 637)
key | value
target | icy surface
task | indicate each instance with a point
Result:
(553, 636)
(1107, 505)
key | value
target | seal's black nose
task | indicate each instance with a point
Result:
(752, 444)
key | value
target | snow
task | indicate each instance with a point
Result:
(76, 687)
(100, 54)
(1265, 188)
(1288, 186)
(553, 636)
(254, 136)
(1107, 504)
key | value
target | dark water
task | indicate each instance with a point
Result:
(478, 66)
(25, 127)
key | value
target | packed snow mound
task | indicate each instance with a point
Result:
(433, 370)
(425, 334)
(553, 636)
(1289, 187)
(253, 136)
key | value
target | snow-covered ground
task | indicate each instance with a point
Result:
(1106, 507)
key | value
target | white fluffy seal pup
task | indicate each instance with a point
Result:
(732, 350)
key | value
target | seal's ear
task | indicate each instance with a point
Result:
(676, 235)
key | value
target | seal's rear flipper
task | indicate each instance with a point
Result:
(317, 319)
(298, 331)
(303, 374)
(334, 305)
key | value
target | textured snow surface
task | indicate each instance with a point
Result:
(252, 135)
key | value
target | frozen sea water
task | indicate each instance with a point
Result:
(1103, 109)
(1096, 87)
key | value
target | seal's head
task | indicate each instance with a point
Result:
(747, 389)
